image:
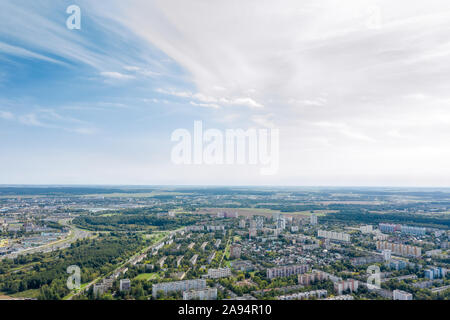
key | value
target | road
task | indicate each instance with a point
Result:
(74, 235)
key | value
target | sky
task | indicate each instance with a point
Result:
(358, 90)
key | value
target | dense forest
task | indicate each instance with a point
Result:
(132, 222)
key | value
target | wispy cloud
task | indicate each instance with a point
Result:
(50, 119)
(116, 75)
(205, 100)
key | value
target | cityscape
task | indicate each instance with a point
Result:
(224, 243)
(224, 158)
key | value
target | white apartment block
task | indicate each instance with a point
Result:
(219, 273)
(402, 295)
(286, 271)
(125, 285)
(333, 235)
(177, 286)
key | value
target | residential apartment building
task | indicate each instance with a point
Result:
(178, 286)
(219, 273)
(204, 294)
(344, 285)
(333, 235)
(402, 295)
(400, 249)
(286, 271)
(125, 285)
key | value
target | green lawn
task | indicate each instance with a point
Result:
(34, 293)
(147, 276)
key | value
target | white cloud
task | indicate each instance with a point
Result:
(205, 105)
(211, 100)
(116, 75)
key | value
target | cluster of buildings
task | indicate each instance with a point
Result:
(435, 273)
(344, 285)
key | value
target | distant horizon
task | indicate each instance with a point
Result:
(214, 186)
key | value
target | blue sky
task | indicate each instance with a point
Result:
(360, 93)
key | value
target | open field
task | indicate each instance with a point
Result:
(147, 276)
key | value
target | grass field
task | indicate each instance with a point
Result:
(147, 276)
